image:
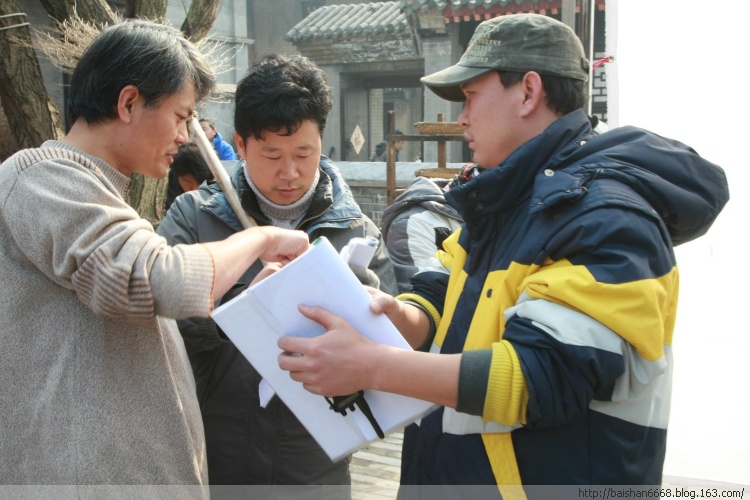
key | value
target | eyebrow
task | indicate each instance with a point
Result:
(274, 148)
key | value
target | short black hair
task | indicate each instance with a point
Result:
(189, 160)
(563, 94)
(278, 94)
(155, 58)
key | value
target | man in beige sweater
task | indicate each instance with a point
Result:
(96, 386)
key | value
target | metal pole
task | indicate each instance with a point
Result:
(568, 13)
(586, 34)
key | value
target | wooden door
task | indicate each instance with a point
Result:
(355, 135)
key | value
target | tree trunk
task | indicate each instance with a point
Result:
(148, 197)
(200, 18)
(154, 10)
(31, 115)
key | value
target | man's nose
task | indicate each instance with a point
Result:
(288, 170)
(183, 134)
(463, 117)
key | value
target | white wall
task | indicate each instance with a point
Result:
(682, 70)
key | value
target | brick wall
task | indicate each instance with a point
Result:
(370, 198)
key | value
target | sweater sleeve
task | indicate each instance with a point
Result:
(81, 234)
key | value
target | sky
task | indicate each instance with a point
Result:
(682, 70)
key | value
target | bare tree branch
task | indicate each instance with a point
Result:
(64, 44)
(96, 11)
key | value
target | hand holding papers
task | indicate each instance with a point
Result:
(256, 319)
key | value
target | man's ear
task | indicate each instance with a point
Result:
(533, 90)
(240, 143)
(126, 102)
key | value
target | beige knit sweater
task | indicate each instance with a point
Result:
(95, 387)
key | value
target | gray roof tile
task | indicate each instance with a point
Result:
(342, 21)
(505, 6)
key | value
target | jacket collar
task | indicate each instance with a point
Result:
(685, 190)
(333, 204)
(509, 184)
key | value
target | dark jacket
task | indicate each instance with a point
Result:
(247, 444)
(381, 152)
(562, 298)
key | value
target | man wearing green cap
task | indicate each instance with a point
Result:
(550, 341)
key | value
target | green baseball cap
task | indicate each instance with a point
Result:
(517, 42)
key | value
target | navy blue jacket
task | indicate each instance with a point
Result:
(562, 298)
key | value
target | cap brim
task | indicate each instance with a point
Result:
(447, 83)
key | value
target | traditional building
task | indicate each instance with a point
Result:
(375, 53)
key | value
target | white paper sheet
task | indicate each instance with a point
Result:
(255, 320)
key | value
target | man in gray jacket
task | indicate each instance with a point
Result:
(281, 110)
(419, 220)
(96, 386)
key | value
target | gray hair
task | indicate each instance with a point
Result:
(155, 58)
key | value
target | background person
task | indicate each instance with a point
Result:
(188, 171)
(282, 107)
(97, 388)
(381, 148)
(551, 340)
(415, 225)
(223, 149)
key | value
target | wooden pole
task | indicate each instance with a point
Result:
(220, 174)
(441, 155)
(390, 160)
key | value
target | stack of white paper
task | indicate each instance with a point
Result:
(255, 319)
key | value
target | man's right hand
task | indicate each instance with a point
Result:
(235, 254)
(283, 244)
